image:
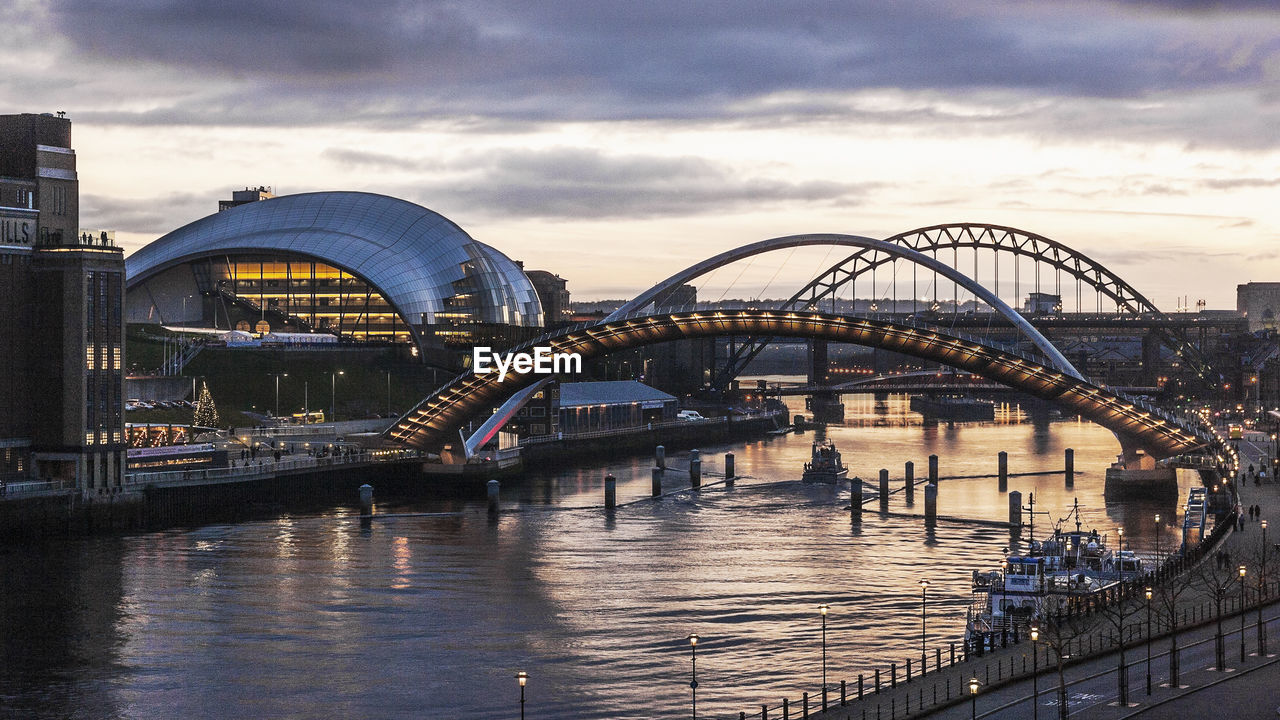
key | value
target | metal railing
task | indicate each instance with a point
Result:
(266, 467)
(30, 487)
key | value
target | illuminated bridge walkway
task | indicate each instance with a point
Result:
(434, 424)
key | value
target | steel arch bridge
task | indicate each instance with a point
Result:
(998, 239)
(435, 422)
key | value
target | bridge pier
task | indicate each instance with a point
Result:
(909, 484)
(491, 495)
(1070, 472)
(933, 469)
(728, 470)
(884, 490)
(1002, 460)
(826, 407)
(819, 367)
(610, 492)
(930, 505)
(366, 500)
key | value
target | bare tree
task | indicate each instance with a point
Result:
(1256, 559)
(1215, 578)
(1116, 608)
(1060, 626)
(1167, 596)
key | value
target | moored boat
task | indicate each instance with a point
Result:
(1070, 563)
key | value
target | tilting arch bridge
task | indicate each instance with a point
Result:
(436, 422)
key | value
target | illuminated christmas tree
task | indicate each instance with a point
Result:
(206, 414)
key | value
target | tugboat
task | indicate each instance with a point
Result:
(1071, 563)
(825, 466)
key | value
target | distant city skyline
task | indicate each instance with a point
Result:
(615, 143)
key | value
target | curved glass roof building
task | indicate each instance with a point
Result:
(359, 265)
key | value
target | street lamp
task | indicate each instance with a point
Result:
(1158, 564)
(973, 695)
(523, 677)
(1262, 590)
(1148, 641)
(924, 652)
(277, 376)
(823, 608)
(1035, 672)
(1242, 572)
(693, 683)
(333, 394)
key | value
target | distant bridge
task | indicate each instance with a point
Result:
(435, 423)
(921, 381)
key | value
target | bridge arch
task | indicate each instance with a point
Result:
(435, 422)
(1003, 239)
(865, 244)
(978, 236)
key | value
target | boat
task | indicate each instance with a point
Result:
(1070, 563)
(824, 466)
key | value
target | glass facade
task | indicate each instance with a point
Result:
(363, 265)
(313, 295)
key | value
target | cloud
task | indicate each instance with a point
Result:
(402, 62)
(349, 158)
(151, 215)
(575, 182)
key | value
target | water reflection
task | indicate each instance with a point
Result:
(318, 616)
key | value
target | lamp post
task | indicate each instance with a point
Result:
(1242, 573)
(333, 394)
(1035, 672)
(924, 652)
(1148, 641)
(1158, 563)
(306, 400)
(523, 677)
(693, 683)
(973, 698)
(388, 393)
(823, 608)
(277, 376)
(1262, 589)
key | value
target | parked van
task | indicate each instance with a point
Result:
(689, 415)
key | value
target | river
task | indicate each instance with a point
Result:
(310, 615)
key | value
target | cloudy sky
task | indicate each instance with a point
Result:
(614, 142)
